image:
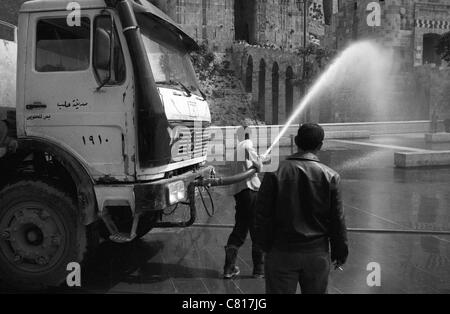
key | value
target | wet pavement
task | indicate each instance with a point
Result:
(376, 196)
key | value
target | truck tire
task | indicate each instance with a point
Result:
(41, 232)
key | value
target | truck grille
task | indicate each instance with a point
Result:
(189, 140)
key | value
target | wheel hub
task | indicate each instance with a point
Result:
(32, 237)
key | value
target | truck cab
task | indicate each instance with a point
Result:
(110, 129)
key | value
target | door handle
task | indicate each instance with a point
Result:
(36, 105)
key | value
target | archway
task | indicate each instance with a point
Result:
(289, 91)
(430, 55)
(245, 20)
(275, 92)
(249, 75)
(262, 90)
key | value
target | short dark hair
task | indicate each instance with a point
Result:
(243, 133)
(310, 137)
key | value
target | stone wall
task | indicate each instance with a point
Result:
(9, 11)
(262, 135)
(403, 27)
(222, 22)
(228, 102)
(432, 17)
(204, 20)
(281, 23)
(436, 83)
(257, 68)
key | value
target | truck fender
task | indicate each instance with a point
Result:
(86, 200)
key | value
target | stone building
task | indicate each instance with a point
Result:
(412, 29)
(8, 14)
(262, 37)
(222, 22)
(268, 76)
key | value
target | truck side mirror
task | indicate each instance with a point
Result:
(103, 55)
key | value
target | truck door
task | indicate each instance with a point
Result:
(69, 101)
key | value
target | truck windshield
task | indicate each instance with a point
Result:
(171, 66)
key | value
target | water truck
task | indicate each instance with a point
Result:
(106, 129)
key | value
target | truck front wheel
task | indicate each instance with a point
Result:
(40, 234)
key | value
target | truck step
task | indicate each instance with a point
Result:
(121, 237)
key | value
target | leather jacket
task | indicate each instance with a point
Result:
(299, 208)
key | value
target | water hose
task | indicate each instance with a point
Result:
(206, 183)
(224, 181)
(211, 212)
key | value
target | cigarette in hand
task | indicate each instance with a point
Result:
(338, 267)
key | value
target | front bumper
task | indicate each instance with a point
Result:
(145, 197)
(154, 196)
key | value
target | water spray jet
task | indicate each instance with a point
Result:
(364, 54)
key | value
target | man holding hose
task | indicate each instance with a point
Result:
(245, 193)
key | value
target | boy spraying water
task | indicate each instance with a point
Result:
(245, 194)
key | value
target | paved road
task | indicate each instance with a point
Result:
(376, 195)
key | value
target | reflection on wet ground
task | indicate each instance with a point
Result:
(376, 195)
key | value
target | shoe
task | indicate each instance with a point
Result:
(230, 269)
(258, 264)
(231, 272)
(258, 272)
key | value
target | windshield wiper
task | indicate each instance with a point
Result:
(187, 90)
(172, 82)
(203, 94)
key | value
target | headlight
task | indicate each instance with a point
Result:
(177, 192)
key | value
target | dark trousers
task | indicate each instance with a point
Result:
(284, 270)
(244, 219)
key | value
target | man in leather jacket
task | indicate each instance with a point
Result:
(299, 218)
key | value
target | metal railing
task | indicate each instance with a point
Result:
(14, 28)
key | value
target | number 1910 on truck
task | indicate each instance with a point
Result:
(109, 129)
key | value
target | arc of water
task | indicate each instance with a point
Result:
(305, 101)
(364, 49)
